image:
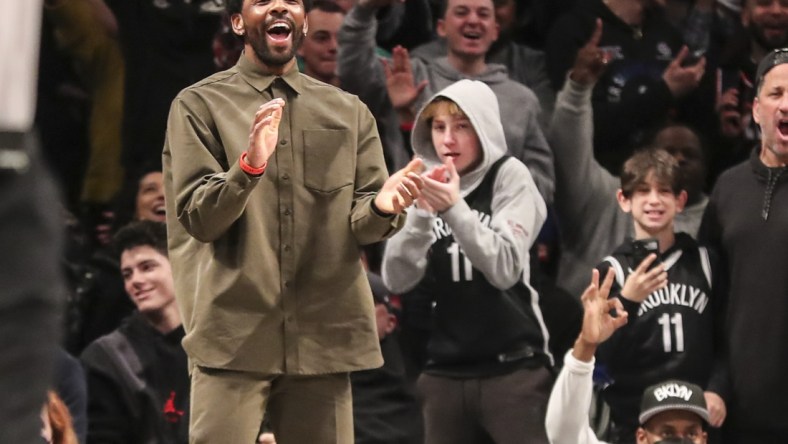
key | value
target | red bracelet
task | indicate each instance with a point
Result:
(406, 126)
(250, 169)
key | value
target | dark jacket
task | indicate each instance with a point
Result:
(746, 219)
(138, 386)
(672, 334)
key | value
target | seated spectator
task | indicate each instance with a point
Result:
(100, 303)
(466, 248)
(138, 383)
(670, 411)
(590, 221)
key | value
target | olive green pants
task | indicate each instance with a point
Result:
(228, 407)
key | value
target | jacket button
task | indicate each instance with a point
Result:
(283, 142)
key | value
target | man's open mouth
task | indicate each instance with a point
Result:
(279, 31)
(782, 126)
(474, 34)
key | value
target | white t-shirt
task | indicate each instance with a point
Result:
(567, 410)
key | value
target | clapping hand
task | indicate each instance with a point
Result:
(441, 187)
(401, 189)
(264, 133)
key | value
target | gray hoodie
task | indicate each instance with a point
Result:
(361, 73)
(499, 249)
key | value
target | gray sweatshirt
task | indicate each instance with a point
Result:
(361, 73)
(523, 64)
(498, 249)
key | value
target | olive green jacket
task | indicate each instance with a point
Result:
(267, 270)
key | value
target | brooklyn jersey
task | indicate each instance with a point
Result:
(477, 326)
(670, 335)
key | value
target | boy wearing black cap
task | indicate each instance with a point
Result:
(671, 412)
(746, 219)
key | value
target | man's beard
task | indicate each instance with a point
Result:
(759, 35)
(271, 58)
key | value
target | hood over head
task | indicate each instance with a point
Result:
(479, 103)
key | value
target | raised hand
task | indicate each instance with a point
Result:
(642, 281)
(598, 322)
(441, 187)
(264, 133)
(731, 124)
(401, 189)
(682, 80)
(400, 84)
(590, 61)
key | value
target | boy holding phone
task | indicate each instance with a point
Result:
(665, 283)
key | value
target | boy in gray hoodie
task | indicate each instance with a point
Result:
(465, 248)
(470, 29)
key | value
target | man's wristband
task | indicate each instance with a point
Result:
(377, 210)
(406, 126)
(248, 169)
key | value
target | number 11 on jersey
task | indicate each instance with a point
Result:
(667, 338)
(456, 256)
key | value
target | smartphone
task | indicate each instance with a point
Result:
(641, 248)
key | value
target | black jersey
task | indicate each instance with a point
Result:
(670, 335)
(478, 329)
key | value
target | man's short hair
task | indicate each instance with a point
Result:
(141, 233)
(235, 6)
(328, 6)
(647, 161)
(769, 61)
(670, 396)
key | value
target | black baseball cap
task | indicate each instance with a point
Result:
(673, 395)
(769, 61)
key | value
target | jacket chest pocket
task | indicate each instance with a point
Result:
(328, 159)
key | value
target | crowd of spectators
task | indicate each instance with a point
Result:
(580, 86)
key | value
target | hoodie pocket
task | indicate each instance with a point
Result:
(328, 159)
